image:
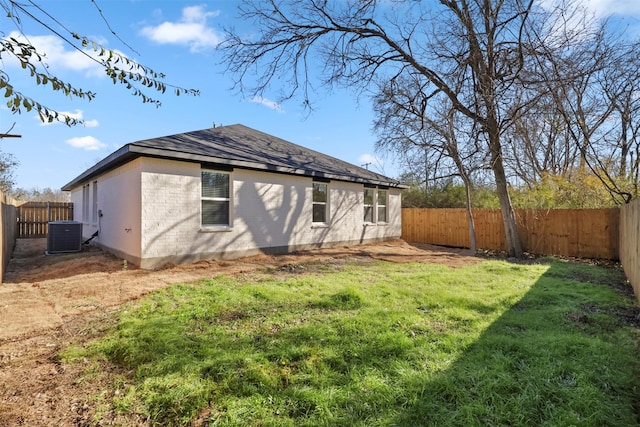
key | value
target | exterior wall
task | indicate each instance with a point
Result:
(119, 202)
(271, 213)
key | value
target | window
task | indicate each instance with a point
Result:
(319, 202)
(215, 198)
(375, 205)
(95, 202)
(85, 203)
(382, 205)
(368, 205)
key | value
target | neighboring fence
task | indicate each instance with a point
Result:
(8, 231)
(34, 217)
(585, 233)
(630, 243)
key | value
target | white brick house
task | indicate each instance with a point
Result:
(228, 192)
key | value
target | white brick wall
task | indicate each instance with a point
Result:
(119, 200)
(269, 211)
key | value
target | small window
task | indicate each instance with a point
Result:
(94, 198)
(85, 203)
(319, 202)
(382, 205)
(368, 205)
(215, 198)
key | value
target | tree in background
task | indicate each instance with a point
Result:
(41, 195)
(136, 78)
(8, 164)
(586, 121)
(573, 139)
(469, 52)
(428, 133)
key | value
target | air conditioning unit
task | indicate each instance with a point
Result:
(64, 236)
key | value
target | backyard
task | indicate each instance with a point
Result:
(390, 334)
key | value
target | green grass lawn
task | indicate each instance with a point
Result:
(380, 344)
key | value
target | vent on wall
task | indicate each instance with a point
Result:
(64, 236)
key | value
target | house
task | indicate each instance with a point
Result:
(228, 192)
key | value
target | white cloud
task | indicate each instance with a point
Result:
(78, 115)
(91, 123)
(88, 143)
(191, 30)
(272, 105)
(608, 7)
(600, 8)
(58, 57)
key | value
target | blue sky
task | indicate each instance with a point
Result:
(177, 38)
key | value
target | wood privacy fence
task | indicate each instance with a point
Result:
(34, 217)
(630, 243)
(8, 230)
(585, 233)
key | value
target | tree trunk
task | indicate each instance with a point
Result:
(624, 145)
(472, 225)
(514, 247)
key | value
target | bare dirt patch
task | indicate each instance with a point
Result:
(50, 302)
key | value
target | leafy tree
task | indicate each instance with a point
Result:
(579, 190)
(449, 194)
(137, 78)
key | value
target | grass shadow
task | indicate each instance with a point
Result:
(404, 345)
(559, 356)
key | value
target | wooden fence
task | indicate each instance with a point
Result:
(8, 231)
(585, 233)
(630, 243)
(34, 217)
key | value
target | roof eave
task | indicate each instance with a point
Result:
(132, 151)
(118, 157)
(243, 164)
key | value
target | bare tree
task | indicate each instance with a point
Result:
(359, 41)
(41, 195)
(585, 76)
(8, 165)
(621, 85)
(434, 133)
(538, 145)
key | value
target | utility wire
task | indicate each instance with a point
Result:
(111, 29)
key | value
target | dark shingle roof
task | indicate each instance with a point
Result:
(241, 147)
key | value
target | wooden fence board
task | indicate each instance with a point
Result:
(34, 217)
(8, 230)
(585, 233)
(630, 243)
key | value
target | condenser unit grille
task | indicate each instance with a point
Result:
(64, 236)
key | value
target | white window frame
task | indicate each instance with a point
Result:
(385, 206)
(315, 203)
(371, 206)
(229, 199)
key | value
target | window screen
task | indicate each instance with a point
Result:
(215, 198)
(320, 198)
(368, 205)
(382, 205)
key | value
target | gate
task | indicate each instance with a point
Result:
(34, 217)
